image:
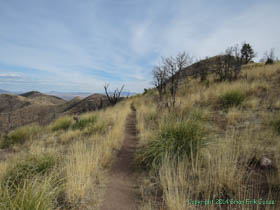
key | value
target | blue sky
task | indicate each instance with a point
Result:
(78, 45)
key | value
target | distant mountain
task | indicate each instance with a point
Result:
(126, 93)
(90, 103)
(4, 91)
(36, 107)
(69, 95)
(10, 102)
(43, 98)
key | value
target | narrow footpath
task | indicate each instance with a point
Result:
(120, 193)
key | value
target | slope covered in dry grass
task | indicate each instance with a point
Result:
(62, 165)
(209, 147)
(225, 130)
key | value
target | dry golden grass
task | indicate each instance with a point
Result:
(220, 169)
(88, 158)
(236, 136)
(234, 115)
(84, 155)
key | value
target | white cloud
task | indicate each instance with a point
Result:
(83, 44)
(10, 75)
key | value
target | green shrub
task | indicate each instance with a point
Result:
(231, 98)
(63, 123)
(178, 139)
(84, 122)
(20, 135)
(31, 166)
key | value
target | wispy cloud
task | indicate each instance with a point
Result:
(10, 75)
(79, 45)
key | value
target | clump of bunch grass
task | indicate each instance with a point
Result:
(29, 167)
(36, 194)
(231, 98)
(20, 135)
(179, 140)
(63, 123)
(84, 122)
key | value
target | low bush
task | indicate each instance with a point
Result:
(178, 139)
(20, 135)
(84, 122)
(29, 167)
(231, 98)
(62, 123)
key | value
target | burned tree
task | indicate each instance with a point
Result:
(174, 68)
(167, 76)
(237, 61)
(228, 66)
(160, 80)
(114, 97)
(269, 57)
(202, 69)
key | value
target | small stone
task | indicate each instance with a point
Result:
(265, 162)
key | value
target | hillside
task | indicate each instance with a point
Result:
(219, 144)
(44, 99)
(4, 91)
(9, 103)
(234, 130)
(90, 103)
(35, 107)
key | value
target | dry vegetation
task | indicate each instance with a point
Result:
(241, 122)
(207, 147)
(62, 165)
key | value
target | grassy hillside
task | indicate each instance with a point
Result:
(35, 107)
(212, 145)
(62, 165)
(220, 142)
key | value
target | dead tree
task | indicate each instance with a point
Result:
(174, 68)
(114, 97)
(228, 66)
(160, 80)
(202, 69)
(167, 75)
(269, 57)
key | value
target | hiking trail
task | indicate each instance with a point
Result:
(120, 193)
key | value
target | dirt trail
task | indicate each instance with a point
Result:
(120, 194)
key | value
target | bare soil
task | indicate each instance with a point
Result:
(121, 193)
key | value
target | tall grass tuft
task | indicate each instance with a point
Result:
(178, 139)
(231, 98)
(35, 194)
(31, 166)
(84, 122)
(20, 135)
(62, 123)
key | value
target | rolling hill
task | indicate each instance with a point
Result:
(31, 107)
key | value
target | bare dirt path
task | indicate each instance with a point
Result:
(120, 193)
